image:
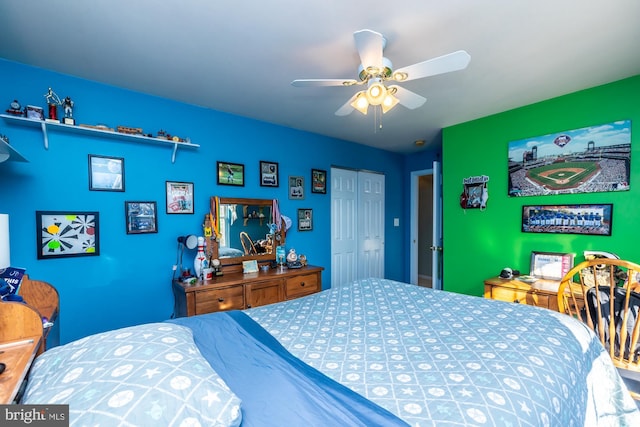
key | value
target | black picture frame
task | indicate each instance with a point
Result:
(179, 197)
(141, 217)
(269, 174)
(62, 234)
(589, 219)
(305, 219)
(106, 173)
(319, 181)
(230, 174)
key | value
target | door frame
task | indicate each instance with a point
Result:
(414, 219)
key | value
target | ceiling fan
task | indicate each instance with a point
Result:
(375, 70)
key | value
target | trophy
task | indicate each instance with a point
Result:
(52, 101)
(67, 104)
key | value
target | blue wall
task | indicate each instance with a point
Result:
(129, 282)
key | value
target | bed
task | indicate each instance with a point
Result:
(371, 352)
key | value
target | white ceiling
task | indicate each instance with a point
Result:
(241, 56)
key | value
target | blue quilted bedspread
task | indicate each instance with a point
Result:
(276, 388)
(445, 359)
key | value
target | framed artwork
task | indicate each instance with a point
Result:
(250, 266)
(179, 197)
(269, 174)
(318, 181)
(230, 174)
(305, 219)
(141, 217)
(587, 160)
(568, 219)
(296, 187)
(106, 173)
(550, 265)
(62, 234)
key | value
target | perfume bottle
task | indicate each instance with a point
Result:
(200, 261)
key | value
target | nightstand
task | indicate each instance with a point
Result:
(541, 293)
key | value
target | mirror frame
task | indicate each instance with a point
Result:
(234, 261)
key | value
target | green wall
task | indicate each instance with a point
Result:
(478, 244)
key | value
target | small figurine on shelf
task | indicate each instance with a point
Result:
(15, 109)
(67, 104)
(52, 101)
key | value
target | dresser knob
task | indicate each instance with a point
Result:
(220, 299)
(301, 283)
(517, 301)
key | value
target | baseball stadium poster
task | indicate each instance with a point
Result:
(587, 160)
(568, 219)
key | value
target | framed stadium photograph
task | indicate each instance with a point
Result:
(568, 219)
(587, 160)
(230, 174)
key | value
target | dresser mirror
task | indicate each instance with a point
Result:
(245, 230)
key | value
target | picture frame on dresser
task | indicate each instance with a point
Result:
(550, 265)
(62, 234)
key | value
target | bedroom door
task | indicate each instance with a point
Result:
(425, 266)
(357, 225)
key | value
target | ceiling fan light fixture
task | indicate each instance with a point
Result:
(376, 93)
(389, 102)
(361, 103)
(400, 77)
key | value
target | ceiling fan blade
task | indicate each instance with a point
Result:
(369, 45)
(323, 82)
(407, 98)
(443, 64)
(346, 109)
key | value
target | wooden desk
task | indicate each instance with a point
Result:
(20, 338)
(542, 293)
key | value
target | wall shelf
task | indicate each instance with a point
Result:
(44, 125)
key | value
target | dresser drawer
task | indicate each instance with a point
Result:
(211, 300)
(520, 296)
(301, 285)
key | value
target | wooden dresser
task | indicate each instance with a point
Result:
(542, 293)
(238, 291)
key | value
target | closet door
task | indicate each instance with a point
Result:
(357, 225)
(344, 233)
(370, 225)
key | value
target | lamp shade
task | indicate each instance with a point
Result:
(8, 153)
(5, 253)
